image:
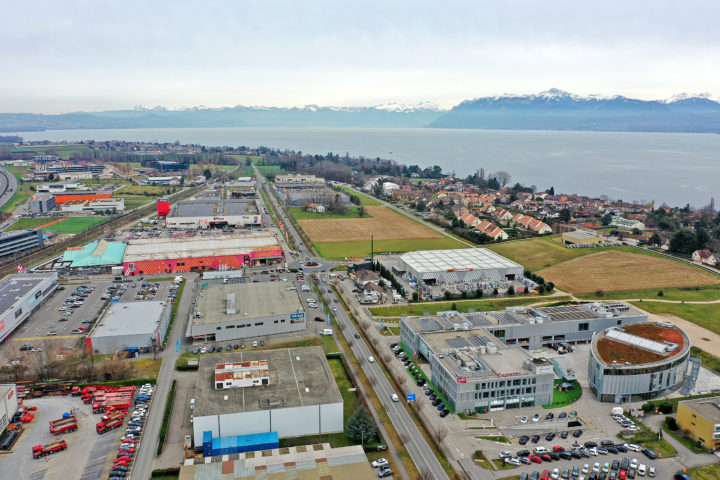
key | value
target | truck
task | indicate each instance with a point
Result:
(102, 427)
(44, 450)
(112, 416)
(63, 425)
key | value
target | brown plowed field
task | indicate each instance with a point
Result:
(614, 270)
(383, 225)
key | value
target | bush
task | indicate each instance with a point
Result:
(660, 293)
(671, 423)
(665, 407)
(647, 407)
(511, 290)
(453, 306)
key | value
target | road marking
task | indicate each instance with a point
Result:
(51, 337)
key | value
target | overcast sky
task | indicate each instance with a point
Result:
(60, 56)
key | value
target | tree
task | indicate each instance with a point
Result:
(207, 174)
(420, 206)
(511, 290)
(654, 239)
(550, 191)
(565, 215)
(683, 242)
(606, 219)
(453, 306)
(361, 427)
(701, 238)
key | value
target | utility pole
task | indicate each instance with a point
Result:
(372, 249)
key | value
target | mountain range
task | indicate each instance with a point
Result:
(549, 110)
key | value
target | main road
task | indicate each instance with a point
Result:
(8, 186)
(420, 452)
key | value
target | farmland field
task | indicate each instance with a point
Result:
(611, 270)
(299, 213)
(364, 199)
(539, 252)
(66, 225)
(361, 248)
(704, 315)
(384, 224)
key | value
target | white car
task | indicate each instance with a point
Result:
(555, 474)
(585, 468)
(513, 461)
(524, 419)
(536, 417)
(651, 472)
(632, 446)
(634, 463)
(505, 454)
(394, 397)
(371, 359)
(596, 467)
(380, 462)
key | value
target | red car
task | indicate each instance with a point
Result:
(545, 475)
(622, 475)
(546, 457)
(558, 449)
(81, 328)
(535, 459)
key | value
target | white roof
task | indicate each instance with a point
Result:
(183, 247)
(130, 318)
(462, 259)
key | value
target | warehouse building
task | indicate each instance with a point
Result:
(301, 397)
(8, 405)
(20, 240)
(196, 254)
(297, 180)
(242, 187)
(72, 195)
(20, 295)
(129, 326)
(236, 311)
(204, 213)
(475, 371)
(700, 418)
(581, 237)
(531, 327)
(292, 463)
(469, 265)
(638, 362)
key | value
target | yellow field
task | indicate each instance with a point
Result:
(618, 270)
(384, 224)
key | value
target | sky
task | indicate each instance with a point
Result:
(102, 55)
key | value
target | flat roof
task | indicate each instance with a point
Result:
(201, 246)
(632, 351)
(252, 300)
(95, 254)
(211, 207)
(14, 287)
(298, 377)
(307, 462)
(581, 234)
(130, 318)
(708, 407)
(460, 259)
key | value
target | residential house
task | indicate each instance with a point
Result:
(492, 230)
(314, 208)
(531, 223)
(705, 257)
(372, 293)
(626, 224)
(363, 277)
(502, 215)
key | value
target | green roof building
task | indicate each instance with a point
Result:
(98, 254)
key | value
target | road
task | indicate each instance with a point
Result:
(8, 186)
(420, 452)
(150, 436)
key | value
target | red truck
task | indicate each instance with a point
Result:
(64, 425)
(112, 416)
(43, 450)
(102, 427)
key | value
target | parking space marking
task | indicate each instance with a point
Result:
(590, 425)
(51, 337)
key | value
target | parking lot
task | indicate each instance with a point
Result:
(88, 456)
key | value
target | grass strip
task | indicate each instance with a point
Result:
(166, 418)
(173, 314)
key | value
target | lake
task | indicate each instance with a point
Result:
(675, 168)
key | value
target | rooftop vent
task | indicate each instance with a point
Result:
(230, 307)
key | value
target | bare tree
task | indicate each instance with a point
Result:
(372, 379)
(441, 434)
(375, 342)
(350, 343)
(426, 474)
(365, 325)
(502, 177)
(404, 437)
(418, 403)
(402, 380)
(361, 361)
(386, 357)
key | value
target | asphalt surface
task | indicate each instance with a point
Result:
(8, 186)
(420, 452)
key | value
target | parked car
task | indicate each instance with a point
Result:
(380, 462)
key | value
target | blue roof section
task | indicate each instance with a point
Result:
(251, 440)
(96, 254)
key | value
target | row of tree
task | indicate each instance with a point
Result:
(387, 275)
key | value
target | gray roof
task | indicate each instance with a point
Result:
(461, 259)
(130, 318)
(14, 287)
(298, 377)
(708, 407)
(210, 207)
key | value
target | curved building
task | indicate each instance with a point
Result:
(637, 362)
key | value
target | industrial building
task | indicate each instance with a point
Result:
(469, 265)
(297, 180)
(129, 325)
(69, 196)
(581, 237)
(42, 203)
(95, 254)
(204, 213)
(199, 253)
(475, 371)
(20, 295)
(241, 374)
(638, 362)
(8, 404)
(292, 463)
(242, 187)
(700, 418)
(531, 328)
(301, 397)
(235, 311)
(16, 241)
(93, 206)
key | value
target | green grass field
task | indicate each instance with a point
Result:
(689, 294)
(708, 472)
(71, 225)
(711, 362)
(364, 199)
(705, 315)
(266, 170)
(462, 305)
(299, 213)
(361, 248)
(146, 190)
(563, 399)
(134, 201)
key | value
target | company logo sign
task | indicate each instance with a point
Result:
(462, 380)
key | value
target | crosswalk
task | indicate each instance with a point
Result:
(50, 337)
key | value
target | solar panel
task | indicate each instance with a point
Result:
(505, 318)
(478, 320)
(457, 342)
(429, 324)
(478, 341)
(13, 290)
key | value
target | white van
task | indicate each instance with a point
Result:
(541, 450)
(192, 404)
(641, 470)
(327, 331)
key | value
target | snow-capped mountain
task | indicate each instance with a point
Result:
(556, 109)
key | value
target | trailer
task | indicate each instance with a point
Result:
(44, 450)
(112, 416)
(102, 427)
(64, 425)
